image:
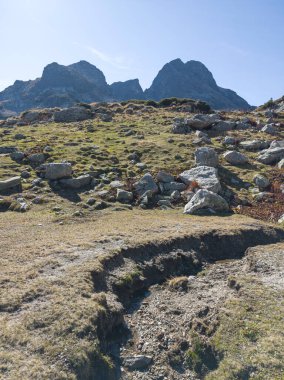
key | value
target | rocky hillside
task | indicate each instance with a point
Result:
(114, 219)
(63, 86)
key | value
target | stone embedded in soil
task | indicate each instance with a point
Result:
(137, 362)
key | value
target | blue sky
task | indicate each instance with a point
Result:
(240, 41)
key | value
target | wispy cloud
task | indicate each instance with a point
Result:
(119, 62)
(234, 49)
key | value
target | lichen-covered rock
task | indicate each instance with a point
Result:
(201, 121)
(68, 115)
(206, 156)
(205, 176)
(146, 183)
(76, 183)
(271, 155)
(261, 181)
(124, 196)
(204, 199)
(13, 183)
(56, 170)
(253, 145)
(235, 158)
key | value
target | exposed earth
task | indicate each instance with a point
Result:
(142, 241)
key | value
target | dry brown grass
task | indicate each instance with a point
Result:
(48, 308)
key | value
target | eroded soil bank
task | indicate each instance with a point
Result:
(71, 296)
(175, 299)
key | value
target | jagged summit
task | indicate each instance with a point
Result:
(63, 86)
(192, 80)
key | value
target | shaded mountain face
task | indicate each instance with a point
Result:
(63, 86)
(192, 80)
(129, 89)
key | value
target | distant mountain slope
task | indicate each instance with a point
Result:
(64, 86)
(192, 80)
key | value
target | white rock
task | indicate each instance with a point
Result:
(205, 176)
(205, 199)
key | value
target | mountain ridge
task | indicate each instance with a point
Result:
(63, 86)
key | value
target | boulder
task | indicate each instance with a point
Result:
(17, 156)
(10, 184)
(235, 158)
(57, 170)
(229, 140)
(36, 159)
(281, 164)
(71, 114)
(203, 137)
(253, 145)
(76, 183)
(124, 196)
(206, 156)
(241, 126)
(224, 126)
(205, 199)
(164, 177)
(201, 121)
(271, 155)
(205, 176)
(7, 149)
(261, 181)
(277, 144)
(116, 184)
(168, 187)
(146, 183)
(180, 127)
(270, 129)
(137, 362)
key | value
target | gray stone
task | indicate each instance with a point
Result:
(163, 176)
(91, 201)
(201, 121)
(281, 164)
(206, 156)
(253, 145)
(25, 174)
(229, 140)
(270, 129)
(76, 183)
(240, 126)
(36, 159)
(19, 136)
(205, 199)
(68, 115)
(203, 137)
(124, 196)
(180, 127)
(57, 170)
(235, 158)
(116, 184)
(205, 176)
(146, 183)
(261, 181)
(11, 183)
(17, 156)
(281, 219)
(137, 362)
(141, 165)
(224, 126)
(271, 155)
(7, 149)
(277, 144)
(164, 202)
(169, 187)
(175, 195)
